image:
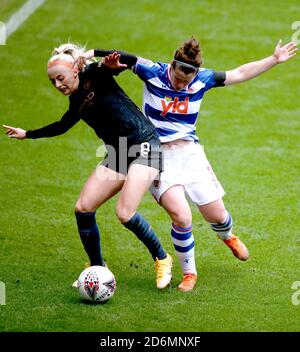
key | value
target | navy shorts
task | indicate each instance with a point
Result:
(148, 153)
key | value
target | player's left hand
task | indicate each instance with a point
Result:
(113, 61)
(285, 52)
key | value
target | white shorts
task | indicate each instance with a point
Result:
(188, 166)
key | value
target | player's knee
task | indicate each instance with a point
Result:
(182, 219)
(217, 216)
(82, 206)
(124, 214)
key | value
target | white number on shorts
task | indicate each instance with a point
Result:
(145, 149)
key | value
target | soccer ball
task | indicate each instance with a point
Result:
(96, 284)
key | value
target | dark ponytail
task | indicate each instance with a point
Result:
(189, 53)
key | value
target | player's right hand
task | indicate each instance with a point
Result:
(13, 132)
(113, 61)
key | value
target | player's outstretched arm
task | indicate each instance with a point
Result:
(56, 128)
(13, 132)
(282, 53)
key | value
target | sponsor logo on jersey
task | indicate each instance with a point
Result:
(168, 105)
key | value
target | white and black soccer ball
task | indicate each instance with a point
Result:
(96, 284)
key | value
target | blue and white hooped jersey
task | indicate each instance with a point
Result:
(173, 113)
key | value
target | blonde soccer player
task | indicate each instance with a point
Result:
(133, 160)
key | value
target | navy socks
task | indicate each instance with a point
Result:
(142, 229)
(90, 236)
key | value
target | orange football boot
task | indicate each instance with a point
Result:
(188, 283)
(237, 247)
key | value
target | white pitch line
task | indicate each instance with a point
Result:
(21, 16)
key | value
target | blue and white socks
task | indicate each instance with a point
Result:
(183, 241)
(223, 230)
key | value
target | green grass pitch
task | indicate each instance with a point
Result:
(251, 137)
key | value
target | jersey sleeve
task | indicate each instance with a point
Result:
(56, 128)
(146, 69)
(220, 77)
(212, 78)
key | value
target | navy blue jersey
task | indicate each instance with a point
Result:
(104, 106)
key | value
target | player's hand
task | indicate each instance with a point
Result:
(285, 52)
(113, 61)
(82, 60)
(13, 132)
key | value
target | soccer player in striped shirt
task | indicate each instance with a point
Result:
(172, 97)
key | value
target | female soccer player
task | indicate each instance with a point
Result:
(172, 97)
(133, 159)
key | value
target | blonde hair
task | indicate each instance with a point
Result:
(67, 53)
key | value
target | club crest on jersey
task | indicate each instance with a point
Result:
(168, 105)
(87, 84)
